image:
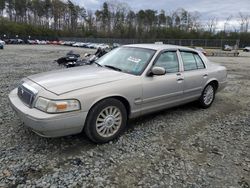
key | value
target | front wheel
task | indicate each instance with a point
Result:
(106, 120)
(207, 96)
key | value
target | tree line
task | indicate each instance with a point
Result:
(114, 20)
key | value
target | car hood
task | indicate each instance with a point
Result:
(66, 80)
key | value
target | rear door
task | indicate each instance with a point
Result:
(195, 74)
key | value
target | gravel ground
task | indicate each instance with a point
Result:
(179, 147)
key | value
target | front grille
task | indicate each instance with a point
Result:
(25, 95)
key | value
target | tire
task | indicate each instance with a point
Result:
(207, 96)
(106, 120)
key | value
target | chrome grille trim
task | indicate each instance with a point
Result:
(26, 94)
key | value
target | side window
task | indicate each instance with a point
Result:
(199, 61)
(191, 61)
(169, 61)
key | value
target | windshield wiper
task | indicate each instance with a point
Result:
(97, 63)
(114, 68)
(94, 62)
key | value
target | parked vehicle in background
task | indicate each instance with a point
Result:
(56, 42)
(201, 50)
(68, 43)
(73, 60)
(20, 41)
(69, 58)
(37, 41)
(85, 45)
(115, 45)
(92, 45)
(102, 46)
(127, 82)
(227, 48)
(78, 44)
(43, 42)
(2, 42)
(9, 41)
(14, 41)
(32, 42)
(246, 49)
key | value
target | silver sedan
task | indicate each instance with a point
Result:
(128, 82)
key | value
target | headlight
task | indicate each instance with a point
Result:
(57, 106)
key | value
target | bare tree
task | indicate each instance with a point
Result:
(244, 21)
(194, 23)
(226, 23)
(212, 24)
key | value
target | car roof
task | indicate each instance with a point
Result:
(159, 46)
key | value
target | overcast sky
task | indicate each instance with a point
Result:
(220, 9)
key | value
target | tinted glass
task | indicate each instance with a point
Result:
(169, 61)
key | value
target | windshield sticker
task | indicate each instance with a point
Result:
(134, 59)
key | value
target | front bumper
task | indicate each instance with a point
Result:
(48, 125)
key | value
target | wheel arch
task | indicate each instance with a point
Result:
(122, 99)
(214, 82)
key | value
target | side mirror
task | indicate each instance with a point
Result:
(158, 71)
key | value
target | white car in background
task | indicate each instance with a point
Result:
(103, 46)
(2, 42)
(78, 44)
(43, 42)
(92, 45)
(246, 49)
(228, 48)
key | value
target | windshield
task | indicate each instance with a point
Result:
(127, 59)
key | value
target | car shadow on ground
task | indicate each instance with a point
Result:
(192, 106)
(75, 144)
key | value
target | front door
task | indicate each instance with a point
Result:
(163, 91)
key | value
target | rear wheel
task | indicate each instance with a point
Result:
(106, 120)
(207, 96)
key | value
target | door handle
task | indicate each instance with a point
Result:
(180, 79)
(205, 75)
